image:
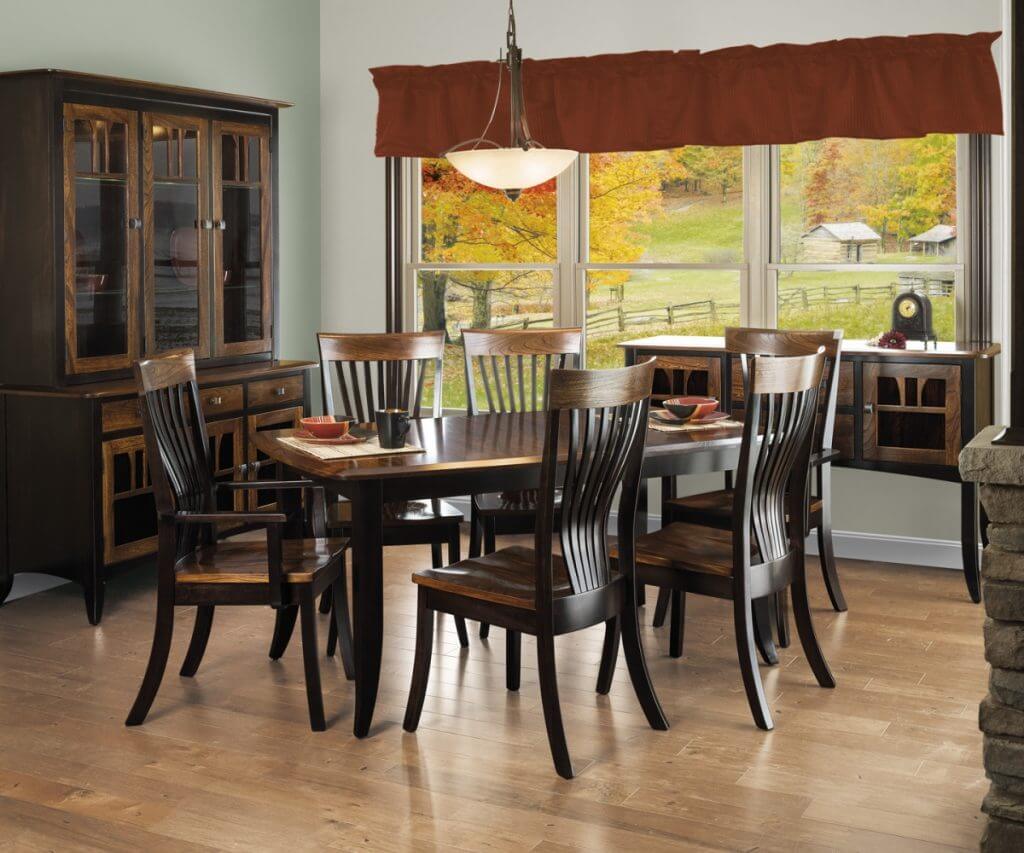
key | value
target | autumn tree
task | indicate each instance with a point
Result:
(721, 168)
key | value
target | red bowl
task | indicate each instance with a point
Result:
(688, 408)
(325, 426)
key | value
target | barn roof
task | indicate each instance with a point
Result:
(847, 232)
(935, 234)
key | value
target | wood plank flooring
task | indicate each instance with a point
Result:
(889, 760)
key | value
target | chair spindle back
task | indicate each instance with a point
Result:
(514, 366)
(604, 413)
(380, 371)
(781, 404)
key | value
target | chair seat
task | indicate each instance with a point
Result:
(339, 513)
(518, 502)
(687, 547)
(246, 562)
(718, 504)
(505, 577)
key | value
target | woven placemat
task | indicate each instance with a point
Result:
(722, 424)
(326, 452)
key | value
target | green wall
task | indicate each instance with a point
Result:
(265, 48)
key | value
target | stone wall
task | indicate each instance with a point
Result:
(1000, 472)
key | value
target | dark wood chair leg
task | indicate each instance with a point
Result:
(421, 663)
(743, 616)
(826, 550)
(284, 624)
(982, 528)
(969, 539)
(764, 621)
(200, 637)
(341, 627)
(454, 555)
(311, 661)
(675, 637)
(157, 660)
(95, 593)
(782, 620)
(513, 656)
(475, 534)
(633, 650)
(661, 608)
(325, 601)
(487, 525)
(609, 655)
(485, 630)
(552, 708)
(808, 639)
(436, 557)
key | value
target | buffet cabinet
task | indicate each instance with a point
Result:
(901, 411)
(135, 219)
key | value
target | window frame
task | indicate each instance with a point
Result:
(762, 236)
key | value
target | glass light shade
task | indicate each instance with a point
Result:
(511, 168)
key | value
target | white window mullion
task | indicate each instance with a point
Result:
(756, 302)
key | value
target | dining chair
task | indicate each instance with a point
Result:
(715, 509)
(597, 423)
(511, 368)
(387, 371)
(285, 572)
(762, 552)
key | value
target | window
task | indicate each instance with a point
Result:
(860, 221)
(822, 234)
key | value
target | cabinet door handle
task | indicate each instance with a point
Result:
(279, 392)
(205, 224)
(220, 225)
(135, 223)
(869, 408)
(215, 401)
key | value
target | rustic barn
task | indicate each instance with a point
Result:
(937, 240)
(839, 243)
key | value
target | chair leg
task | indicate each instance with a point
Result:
(743, 616)
(475, 534)
(764, 622)
(827, 556)
(454, 555)
(805, 630)
(487, 525)
(609, 654)
(325, 601)
(513, 656)
(661, 608)
(340, 632)
(675, 637)
(311, 660)
(782, 619)
(200, 637)
(552, 708)
(485, 630)
(633, 649)
(157, 661)
(284, 624)
(421, 663)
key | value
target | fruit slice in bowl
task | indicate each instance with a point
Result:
(690, 408)
(326, 426)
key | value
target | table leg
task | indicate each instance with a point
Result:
(368, 593)
(969, 538)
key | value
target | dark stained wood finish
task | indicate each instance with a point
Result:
(193, 568)
(274, 392)
(605, 416)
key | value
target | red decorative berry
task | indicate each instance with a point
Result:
(892, 340)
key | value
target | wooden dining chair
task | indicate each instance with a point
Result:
(511, 369)
(359, 374)
(715, 509)
(194, 569)
(762, 553)
(597, 424)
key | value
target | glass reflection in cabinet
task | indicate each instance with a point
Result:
(243, 268)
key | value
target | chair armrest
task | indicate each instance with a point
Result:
(267, 484)
(828, 454)
(242, 517)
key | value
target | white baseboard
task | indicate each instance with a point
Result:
(856, 545)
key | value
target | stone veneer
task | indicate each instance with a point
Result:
(999, 470)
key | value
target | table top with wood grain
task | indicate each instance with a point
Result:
(451, 444)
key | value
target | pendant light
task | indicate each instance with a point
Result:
(526, 163)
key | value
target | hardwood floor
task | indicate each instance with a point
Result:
(889, 760)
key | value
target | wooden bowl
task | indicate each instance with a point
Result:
(326, 426)
(688, 408)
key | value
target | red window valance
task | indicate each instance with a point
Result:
(880, 88)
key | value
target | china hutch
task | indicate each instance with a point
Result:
(903, 411)
(135, 218)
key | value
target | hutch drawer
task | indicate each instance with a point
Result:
(273, 392)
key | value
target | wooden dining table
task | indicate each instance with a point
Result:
(460, 456)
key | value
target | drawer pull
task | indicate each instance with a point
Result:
(869, 408)
(280, 392)
(215, 401)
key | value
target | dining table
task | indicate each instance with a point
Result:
(459, 455)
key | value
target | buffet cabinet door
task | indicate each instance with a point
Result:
(242, 243)
(101, 237)
(177, 224)
(261, 467)
(912, 413)
(129, 507)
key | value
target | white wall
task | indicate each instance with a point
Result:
(355, 36)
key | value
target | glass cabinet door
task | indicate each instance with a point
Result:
(101, 237)
(177, 226)
(242, 238)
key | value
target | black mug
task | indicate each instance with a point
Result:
(392, 428)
